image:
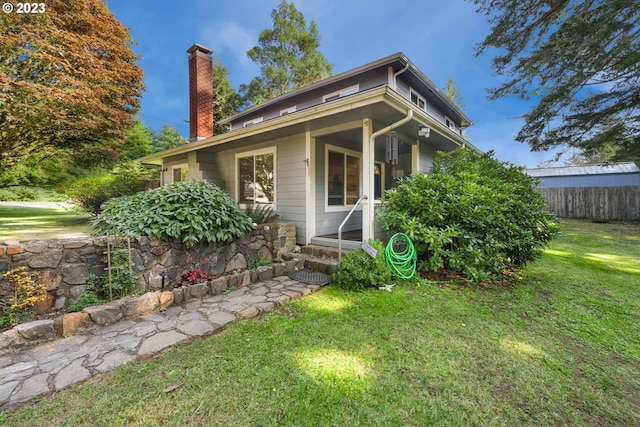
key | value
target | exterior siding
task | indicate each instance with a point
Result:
(290, 176)
(365, 81)
(426, 156)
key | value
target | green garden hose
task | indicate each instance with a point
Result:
(401, 264)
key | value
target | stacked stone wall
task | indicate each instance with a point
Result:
(63, 265)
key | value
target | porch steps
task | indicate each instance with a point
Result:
(318, 258)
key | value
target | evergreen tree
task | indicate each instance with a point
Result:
(139, 141)
(168, 137)
(287, 54)
(580, 60)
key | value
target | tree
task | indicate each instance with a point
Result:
(168, 137)
(454, 94)
(226, 101)
(288, 56)
(139, 141)
(580, 60)
(68, 78)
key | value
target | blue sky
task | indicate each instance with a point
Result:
(437, 35)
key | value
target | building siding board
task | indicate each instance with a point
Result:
(426, 156)
(609, 180)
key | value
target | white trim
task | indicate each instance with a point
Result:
(346, 152)
(310, 186)
(179, 166)
(341, 93)
(250, 153)
(253, 122)
(450, 124)
(289, 110)
(418, 97)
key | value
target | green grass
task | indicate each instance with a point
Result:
(41, 220)
(560, 347)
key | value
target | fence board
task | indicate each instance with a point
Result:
(595, 203)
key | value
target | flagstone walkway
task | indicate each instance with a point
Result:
(55, 365)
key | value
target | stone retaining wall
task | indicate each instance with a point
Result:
(63, 265)
(29, 334)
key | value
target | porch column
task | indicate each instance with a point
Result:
(368, 158)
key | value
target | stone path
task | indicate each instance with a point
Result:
(59, 364)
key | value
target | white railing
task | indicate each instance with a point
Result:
(343, 223)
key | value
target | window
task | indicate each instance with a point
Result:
(253, 122)
(341, 93)
(449, 123)
(417, 99)
(256, 176)
(180, 172)
(288, 111)
(343, 177)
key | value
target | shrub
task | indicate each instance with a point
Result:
(472, 214)
(123, 277)
(92, 191)
(358, 270)
(193, 277)
(260, 214)
(191, 211)
(26, 293)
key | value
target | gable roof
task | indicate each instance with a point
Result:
(601, 169)
(399, 59)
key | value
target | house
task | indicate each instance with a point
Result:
(316, 151)
(604, 175)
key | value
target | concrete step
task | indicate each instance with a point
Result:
(318, 251)
(315, 263)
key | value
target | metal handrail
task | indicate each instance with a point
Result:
(343, 223)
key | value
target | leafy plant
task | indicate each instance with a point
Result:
(123, 277)
(260, 263)
(472, 214)
(92, 191)
(89, 297)
(358, 270)
(191, 211)
(26, 293)
(260, 214)
(194, 277)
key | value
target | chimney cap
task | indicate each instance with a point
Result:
(199, 47)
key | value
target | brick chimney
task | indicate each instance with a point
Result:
(200, 93)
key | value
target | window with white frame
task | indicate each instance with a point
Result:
(342, 177)
(341, 93)
(253, 121)
(288, 111)
(179, 172)
(417, 99)
(256, 173)
(449, 123)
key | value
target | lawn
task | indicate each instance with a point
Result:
(41, 220)
(559, 347)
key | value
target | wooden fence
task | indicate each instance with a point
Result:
(595, 203)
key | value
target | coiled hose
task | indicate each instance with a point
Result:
(401, 264)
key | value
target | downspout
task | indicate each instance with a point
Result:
(371, 160)
(406, 67)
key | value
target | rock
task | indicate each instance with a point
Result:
(39, 329)
(140, 306)
(244, 278)
(72, 374)
(279, 269)
(160, 341)
(50, 279)
(33, 387)
(265, 273)
(72, 321)
(166, 299)
(178, 295)
(13, 247)
(49, 259)
(222, 318)
(218, 285)
(238, 262)
(196, 291)
(75, 244)
(105, 314)
(60, 302)
(44, 304)
(265, 253)
(297, 249)
(36, 246)
(75, 274)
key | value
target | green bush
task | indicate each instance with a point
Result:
(358, 270)
(92, 191)
(191, 211)
(472, 214)
(29, 194)
(260, 214)
(89, 297)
